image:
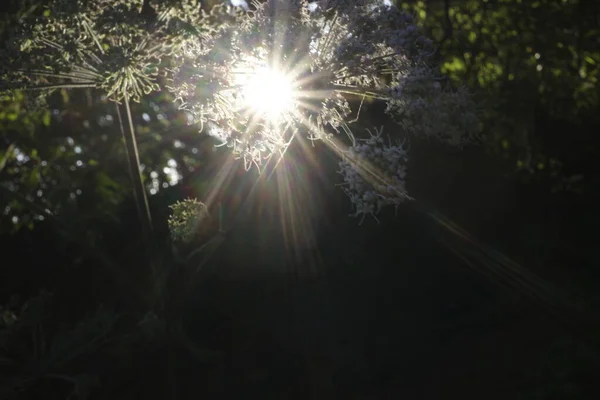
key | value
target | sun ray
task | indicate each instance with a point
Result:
(266, 91)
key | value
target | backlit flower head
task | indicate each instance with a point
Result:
(187, 217)
(329, 53)
(374, 172)
(109, 45)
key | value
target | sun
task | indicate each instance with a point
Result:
(266, 91)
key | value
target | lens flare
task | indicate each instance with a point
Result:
(267, 92)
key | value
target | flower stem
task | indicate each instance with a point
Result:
(141, 200)
(357, 91)
(57, 86)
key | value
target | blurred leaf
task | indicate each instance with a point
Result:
(34, 177)
(5, 156)
(47, 118)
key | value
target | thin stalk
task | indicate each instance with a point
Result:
(365, 72)
(72, 76)
(141, 200)
(359, 92)
(327, 38)
(59, 86)
(381, 57)
(87, 70)
(93, 35)
(91, 55)
(52, 44)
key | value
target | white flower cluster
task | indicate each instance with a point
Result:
(336, 48)
(374, 174)
(378, 51)
(339, 51)
(109, 45)
(206, 83)
(334, 52)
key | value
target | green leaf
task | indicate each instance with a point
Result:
(34, 177)
(4, 157)
(26, 45)
(46, 118)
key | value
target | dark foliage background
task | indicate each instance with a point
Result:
(300, 301)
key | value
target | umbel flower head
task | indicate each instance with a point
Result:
(105, 44)
(374, 171)
(327, 53)
(187, 217)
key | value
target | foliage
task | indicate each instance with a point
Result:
(528, 62)
(72, 168)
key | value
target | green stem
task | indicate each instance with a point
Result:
(93, 35)
(72, 76)
(59, 86)
(141, 200)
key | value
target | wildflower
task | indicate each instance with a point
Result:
(258, 76)
(187, 217)
(331, 52)
(95, 43)
(374, 174)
